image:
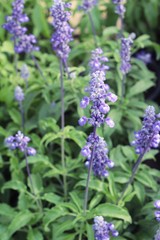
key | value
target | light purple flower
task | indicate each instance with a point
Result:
(157, 236)
(100, 158)
(20, 141)
(24, 72)
(120, 8)
(148, 137)
(103, 230)
(19, 94)
(82, 121)
(22, 41)
(88, 5)
(98, 90)
(63, 32)
(96, 149)
(126, 44)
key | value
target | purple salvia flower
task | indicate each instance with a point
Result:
(148, 137)
(103, 230)
(18, 94)
(157, 212)
(96, 149)
(120, 8)
(22, 41)
(63, 32)
(98, 90)
(144, 56)
(82, 121)
(126, 44)
(24, 72)
(157, 204)
(157, 236)
(88, 5)
(100, 158)
(20, 141)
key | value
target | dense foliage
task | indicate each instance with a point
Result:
(46, 201)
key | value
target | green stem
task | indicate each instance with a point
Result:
(93, 29)
(38, 67)
(62, 128)
(134, 170)
(15, 58)
(89, 174)
(22, 116)
(39, 204)
(123, 87)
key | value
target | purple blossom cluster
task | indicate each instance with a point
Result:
(95, 149)
(20, 141)
(88, 5)
(98, 92)
(22, 41)
(157, 236)
(103, 230)
(157, 212)
(100, 158)
(148, 137)
(19, 94)
(125, 53)
(120, 8)
(63, 32)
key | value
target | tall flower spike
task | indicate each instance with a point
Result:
(63, 32)
(22, 41)
(18, 93)
(148, 137)
(98, 94)
(88, 5)
(120, 8)
(125, 53)
(103, 230)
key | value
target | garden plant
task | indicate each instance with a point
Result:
(79, 120)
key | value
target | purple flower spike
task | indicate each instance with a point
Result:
(100, 158)
(103, 230)
(63, 32)
(157, 236)
(88, 5)
(96, 149)
(126, 44)
(120, 8)
(20, 142)
(24, 72)
(148, 137)
(98, 90)
(22, 41)
(18, 94)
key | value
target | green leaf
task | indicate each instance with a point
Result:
(140, 191)
(77, 201)
(6, 210)
(113, 211)
(140, 87)
(52, 214)
(34, 234)
(52, 198)
(14, 184)
(19, 221)
(90, 233)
